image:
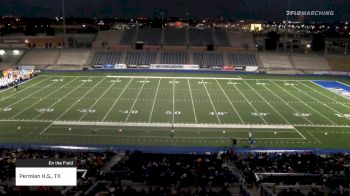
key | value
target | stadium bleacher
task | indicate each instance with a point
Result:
(128, 37)
(40, 57)
(140, 57)
(109, 37)
(175, 37)
(310, 62)
(222, 38)
(208, 58)
(174, 58)
(73, 57)
(242, 59)
(106, 57)
(150, 36)
(201, 37)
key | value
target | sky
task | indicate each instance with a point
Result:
(229, 9)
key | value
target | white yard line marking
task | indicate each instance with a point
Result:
(26, 109)
(306, 104)
(70, 107)
(115, 102)
(240, 118)
(194, 110)
(271, 106)
(173, 117)
(324, 94)
(320, 102)
(173, 77)
(288, 104)
(251, 105)
(98, 99)
(268, 103)
(24, 98)
(154, 101)
(133, 105)
(59, 100)
(211, 101)
(164, 137)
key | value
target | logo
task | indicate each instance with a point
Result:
(309, 13)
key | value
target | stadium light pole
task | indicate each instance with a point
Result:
(64, 25)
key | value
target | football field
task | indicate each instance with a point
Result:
(188, 110)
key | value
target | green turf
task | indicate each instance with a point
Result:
(202, 110)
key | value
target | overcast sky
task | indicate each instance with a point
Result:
(230, 9)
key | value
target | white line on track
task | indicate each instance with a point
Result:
(212, 104)
(154, 101)
(194, 110)
(240, 118)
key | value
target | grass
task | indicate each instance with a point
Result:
(201, 110)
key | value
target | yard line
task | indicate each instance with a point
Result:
(287, 104)
(273, 108)
(249, 103)
(87, 92)
(267, 102)
(323, 93)
(230, 101)
(133, 105)
(23, 90)
(98, 99)
(320, 102)
(115, 102)
(194, 110)
(212, 104)
(31, 94)
(173, 117)
(154, 100)
(27, 108)
(306, 104)
(59, 100)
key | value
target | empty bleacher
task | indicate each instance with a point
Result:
(150, 36)
(242, 59)
(241, 39)
(109, 37)
(310, 62)
(201, 37)
(128, 37)
(208, 58)
(222, 38)
(338, 62)
(106, 57)
(174, 58)
(276, 61)
(10, 59)
(140, 57)
(40, 57)
(175, 37)
(73, 57)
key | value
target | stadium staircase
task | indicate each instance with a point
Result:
(249, 190)
(162, 37)
(134, 39)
